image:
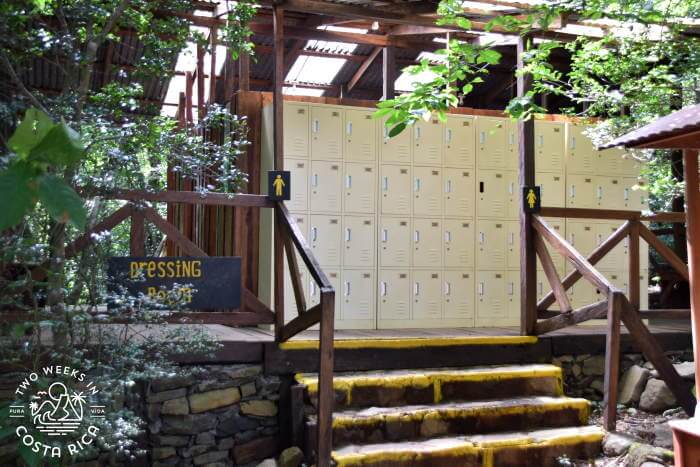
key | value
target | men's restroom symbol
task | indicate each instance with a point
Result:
(278, 185)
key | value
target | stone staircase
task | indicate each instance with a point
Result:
(514, 415)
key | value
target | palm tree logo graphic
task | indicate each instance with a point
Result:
(60, 413)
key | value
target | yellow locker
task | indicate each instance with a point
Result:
(581, 191)
(394, 295)
(512, 244)
(324, 237)
(427, 244)
(314, 291)
(458, 238)
(296, 130)
(491, 244)
(513, 297)
(358, 302)
(610, 162)
(427, 295)
(326, 132)
(360, 136)
(458, 295)
(395, 186)
(543, 289)
(491, 301)
(610, 193)
(427, 184)
(552, 189)
(358, 241)
(513, 144)
(360, 181)
(459, 142)
(581, 154)
(583, 293)
(427, 140)
(290, 304)
(492, 193)
(491, 138)
(644, 291)
(513, 195)
(581, 234)
(549, 146)
(558, 225)
(635, 196)
(394, 242)
(459, 193)
(396, 150)
(617, 258)
(299, 176)
(325, 187)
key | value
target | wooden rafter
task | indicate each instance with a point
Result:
(362, 69)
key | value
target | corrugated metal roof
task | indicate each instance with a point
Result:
(683, 121)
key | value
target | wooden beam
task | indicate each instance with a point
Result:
(550, 270)
(212, 66)
(362, 69)
(667, 253)
(137, 232)
(326, 394)
(634, 270)
(397, 13)
(692, 200)
(389, 73)
(563, 320)
(108, 223)
(244, 72)
(278, 163)
(191, 197)
(301, 323)
(200, 82)
(585, 213)
(414, 30)
(612, 360)
(187, 245)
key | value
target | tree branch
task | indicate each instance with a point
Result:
(10, 69)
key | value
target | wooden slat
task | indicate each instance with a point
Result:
(326, 394)
(298, 416)
(191, 197)
(363, 68)
(137, 233)
(107, 224)
(673, 314)
(278, 162)
(388, 72)
(212, 65)
(550, 271)
(301, 323)
(593, 311)
(665, 217)
(294, 274)
(593, 258)
(188, 247)
(633, 259)
(584, 213)
(244, 72)
(663, 250)
(200, 81)
(612, 360)
(252, 303)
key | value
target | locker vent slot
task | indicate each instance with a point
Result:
(465, 174)
(435, 224)
(402, 276)
(556, 179)
(614, 182)
(334, 167)
(499, 175)
(301, 111)
(335, 114)
(588, 180)
(434, 276)
(466, 224)
(465, 276)
(403, 223)
(435, 172)
(368, 222)
(498, 226)
(556, 130)
(365, 275)
(498, 276)
(334, 221)
(300, 165)
(404, 171)
(465, 123)
(333, 274)
(587, 228)
(368, 169)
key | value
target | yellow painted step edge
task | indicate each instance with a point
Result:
(468, 447)
(345, 384)
(582, 406)
(410, 342)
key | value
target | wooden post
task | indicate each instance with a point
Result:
(388, 72)
(634, 273)
(612, 360)
(278, 107)
(692, 202)
(212, 66)
(200, 82)
(244, 70)
(526, 177)
(137, 237)
(326, 395)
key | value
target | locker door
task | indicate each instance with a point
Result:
(492, 193)
(395, 243)
(609, 162)
(581, 191)
(558, 225)
(616, 258)
(458, 295)
(290, 303)
(299, 175)
(643, 291)
(513, 194)
(325, 239)
(360, 183)
(427, 140)
(490, 244)
(491, 302)
(357, 295)
(325, 193)
(427, 185)
(543, 289)
(491, 140)
(582, 236)
(549, 146)
(512, 244)
(358, 242)
(395, 185)
(553, 189)
(314, 291)
(580, 151)
(513, 296)
(427, 295)
(583, 293)
(513, 144)
(326, 133)
(296, 126)
(634, 195)
(360, 136)
(427, 243)
(394, 295)
(396, 150)
(459, 142)
(459, 193)
(610, 193)
(458, 238)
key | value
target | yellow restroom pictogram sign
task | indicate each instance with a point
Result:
(278, 185)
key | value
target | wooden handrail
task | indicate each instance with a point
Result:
(669, 255)
(665, 217)
(295, 275)
(193, 197)
(585, 213)
(612, 359)
(550, 270)
(110, 222)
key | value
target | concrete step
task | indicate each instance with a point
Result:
(411, 387)
(539, 448)
(393, 424)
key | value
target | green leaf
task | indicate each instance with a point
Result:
(61, 201)
(18, 194)
(467, 88)
(492, 57)
(61, 146)
(397, 129)
(32, 129)
(464, 23)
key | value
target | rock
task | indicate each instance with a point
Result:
(576, 370)
(234, 423)
(649, 366)
(172, 382)
(188, 424)
(268, 463)
(166, 395)
(433, 427)
(254, 450)
(205, 439)
(594, 366)
(652, 464)
(176, 441)
(177, 406)
(686, 370)
(632, 385)
(617, 444)
(242, 371)
(656, 397)
(162, 453)
(597, 385)
(248, 389)
(644, 454)
(259, 408)
(290, 457)
(224, 443)
(663, 436)
(205, 401)
(193, 451)
(209, 457)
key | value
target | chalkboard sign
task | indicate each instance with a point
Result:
(204, 282)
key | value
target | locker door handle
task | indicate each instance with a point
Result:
(600, 239)
(417, 185)
(572, 191)
(385, 183)
(316, 126)
(349, 128)
(347, 288)
(312, 285)
(347, 234)
(382, 289)
(448, 288)
(573, 238)
(386, 134)
(417, 132)
(481, 288)
(416, 236)
(539, 288)
(482, 137)
(314, 180)
(511, 238)
(482, 237)
(448, 236)
(627, 194)
(511, 188)
(416, 288)
(314, 233)
(448, 186)
(573, 142)
(600, 192)
(511, 288)
(511, 139)
(448, 137)
(541, 140)
(385, 235)
(348, 181)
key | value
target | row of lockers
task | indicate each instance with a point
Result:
(350, 187)
(398, 242)
(437, 297)
(323, 132)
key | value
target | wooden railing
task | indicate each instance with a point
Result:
(616, 307)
